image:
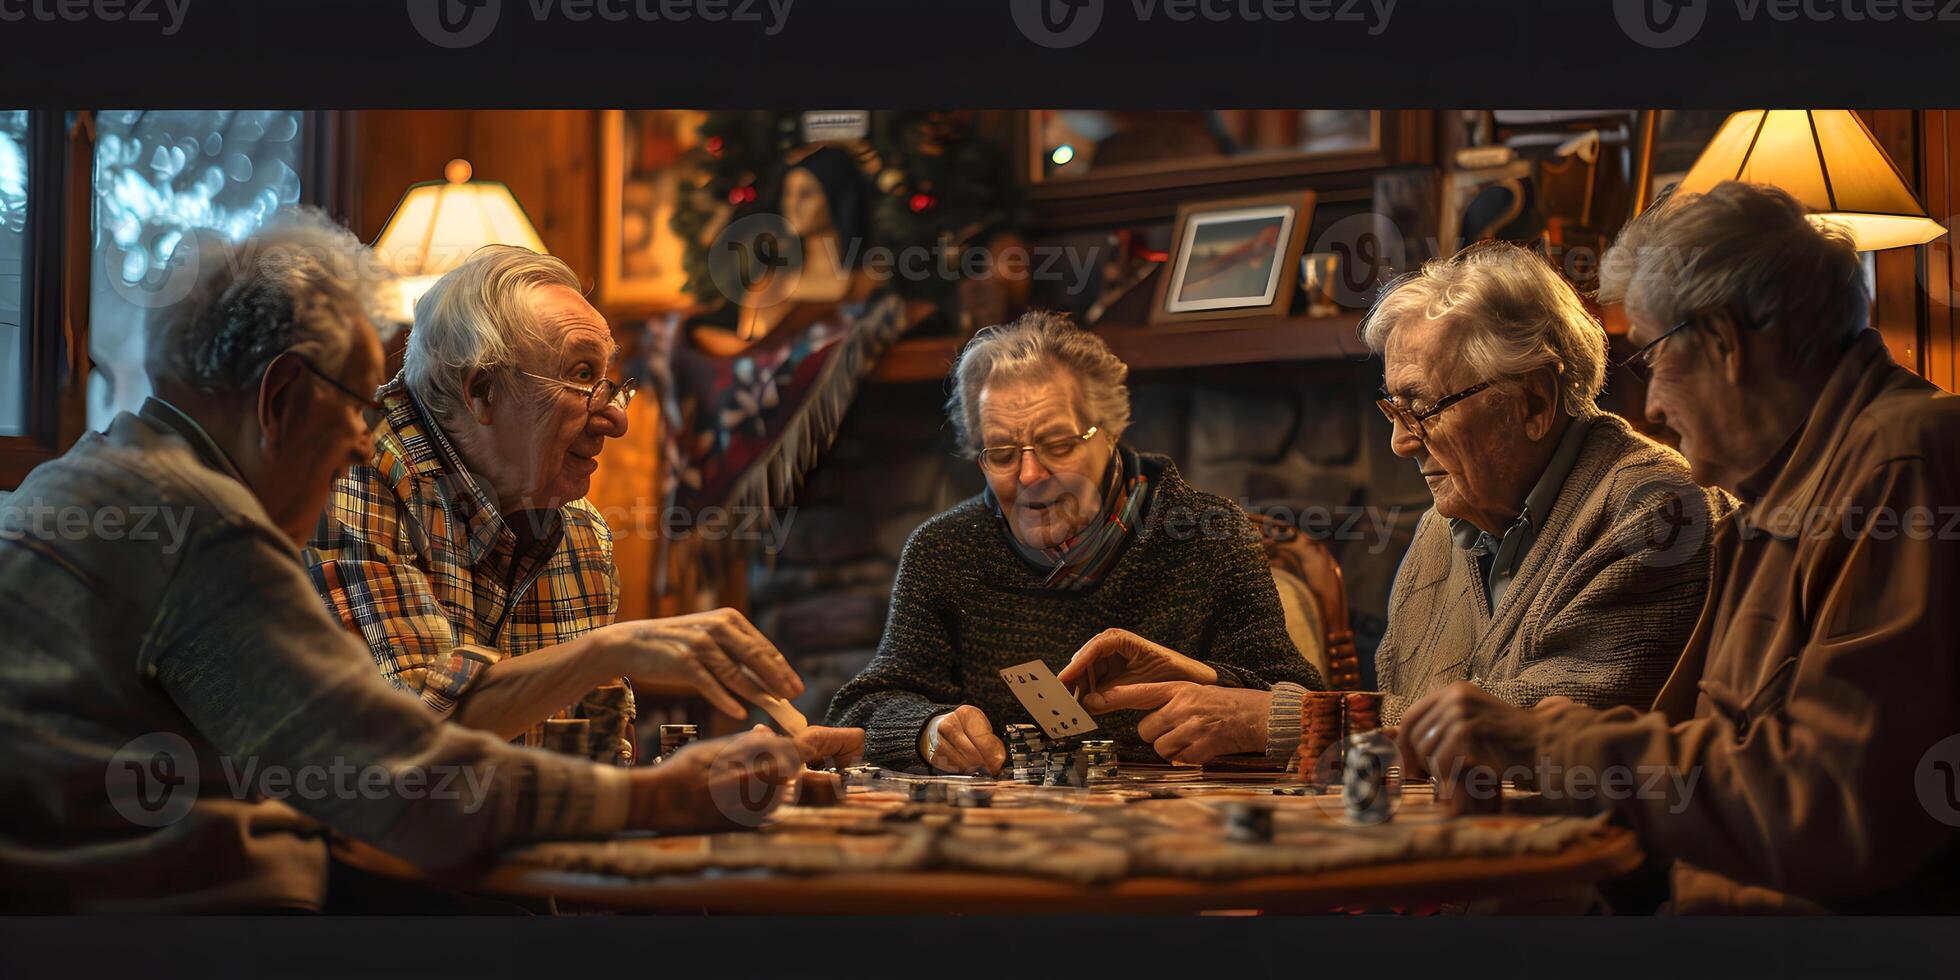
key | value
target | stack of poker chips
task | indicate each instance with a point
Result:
(1321, 732)
(1027, 754)
(610, 710)
(1364, 711)
(673, 737)
(1328, 718)
(1099, 759)
(1248, 823)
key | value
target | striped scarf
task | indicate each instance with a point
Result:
(1081, 561)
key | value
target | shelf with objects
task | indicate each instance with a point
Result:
(1208, 343)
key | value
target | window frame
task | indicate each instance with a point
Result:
(55, 284)
(54, 288)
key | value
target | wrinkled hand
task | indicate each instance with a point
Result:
(1461, 728)
(707, 651)
(1116, 656)
(1195, 723)
(831, 746)
(963, 741)
(715, 784)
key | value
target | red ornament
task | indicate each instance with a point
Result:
(714, 145)
(742, 195)
(921, 202)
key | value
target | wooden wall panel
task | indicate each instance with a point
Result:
(1940, 272)
(549, 157)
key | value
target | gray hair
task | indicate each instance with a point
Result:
(1750, 250)
(301, 284)
(1032, 347)
(480, 317)
(1510, 313)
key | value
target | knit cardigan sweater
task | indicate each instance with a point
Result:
(1193, 577)
(1598, 611)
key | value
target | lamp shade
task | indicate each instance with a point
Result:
(440, 223)
(1827, 160)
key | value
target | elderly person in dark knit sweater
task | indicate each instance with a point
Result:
(1081, 550)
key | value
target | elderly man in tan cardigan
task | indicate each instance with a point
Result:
(1566, 554)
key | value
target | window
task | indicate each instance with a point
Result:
(159, 177)
(14, 319)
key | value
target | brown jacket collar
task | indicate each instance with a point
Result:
(1865, 371)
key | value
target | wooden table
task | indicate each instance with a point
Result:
(1515, 879)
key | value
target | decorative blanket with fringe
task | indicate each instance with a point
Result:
(744, 430)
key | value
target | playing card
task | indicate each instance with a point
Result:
(1048, 702)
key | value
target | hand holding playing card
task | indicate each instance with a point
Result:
(1117, 656)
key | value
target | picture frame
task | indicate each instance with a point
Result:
(1238, 257)
(639, 183)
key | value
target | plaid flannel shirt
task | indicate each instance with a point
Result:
(413, 554)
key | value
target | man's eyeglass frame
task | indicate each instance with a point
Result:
(621, 394)
(371, 410)
(1008, 464)
(1413, 421)
(1641, 362)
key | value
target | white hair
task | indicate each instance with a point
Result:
(301, 284)
(480, 317)
(1031, 347)
(1509, 312)
(1749, 250)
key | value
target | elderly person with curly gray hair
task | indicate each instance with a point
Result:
(463, 551)
(1081, 553)
(1566, 554)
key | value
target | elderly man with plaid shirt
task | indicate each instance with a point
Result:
(463, 553)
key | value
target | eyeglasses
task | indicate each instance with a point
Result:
(371, 410)
(1398, 409)
(607, 393)
(1000, 460)
(1642, 361)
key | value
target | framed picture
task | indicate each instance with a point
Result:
(640, 185)
(1234, 258)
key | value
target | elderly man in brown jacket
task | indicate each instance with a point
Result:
(1802, 757)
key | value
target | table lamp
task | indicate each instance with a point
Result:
(1828, 160)
(439, 223)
